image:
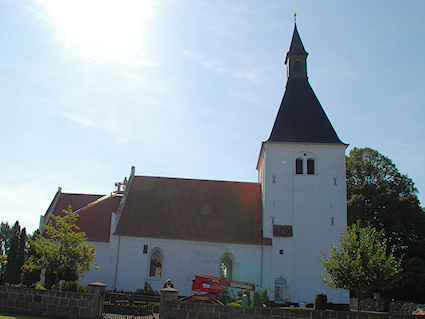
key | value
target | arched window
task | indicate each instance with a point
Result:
(299, 166)
(305, 163)
(297, 66)
(156, 264)
(310, 166)
(226, 268)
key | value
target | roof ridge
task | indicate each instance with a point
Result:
(194, 179)
(85, 194)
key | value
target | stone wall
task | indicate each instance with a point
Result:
(400, 307)
(18, 300)
(174, 310)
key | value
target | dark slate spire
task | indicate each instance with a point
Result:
(297, 46)
(296, 58)
(301, 118)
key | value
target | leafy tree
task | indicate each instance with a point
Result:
(13, 251)
(15, 254)
(2, 266)
(257, 300)
(31, 276)
(360, 262)
(4, 237)
(377, 193)
(265, 297)
(4, 247)
(65, 254)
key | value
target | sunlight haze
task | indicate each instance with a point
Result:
(191, 88)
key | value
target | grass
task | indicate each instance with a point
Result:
(8, 316)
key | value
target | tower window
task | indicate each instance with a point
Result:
(156, 264)
(297, 66)
(310, 166)
(299, 166)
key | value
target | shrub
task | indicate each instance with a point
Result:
(265, 297)
(72, 286)
(83, 289)
(257, 300)
(320, 302)
(68, 286)
(248, 293)
(40, 287)
(147, 287)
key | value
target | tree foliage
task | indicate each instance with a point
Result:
(31, 276)
(4, 237)
(377, 193)
(360, 262)
(15, 254)
(13, 248)
(4, 247)
(64, 254)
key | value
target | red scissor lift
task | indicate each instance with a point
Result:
(214, 287)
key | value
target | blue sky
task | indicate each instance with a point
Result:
(191, 88)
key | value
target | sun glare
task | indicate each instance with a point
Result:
(108, 28)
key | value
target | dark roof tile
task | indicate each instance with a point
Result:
(301, 117)
(96, 220)
(189, 209)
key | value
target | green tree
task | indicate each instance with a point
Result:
(2, 266)
(265, 297)
(4, 247)
(16, 241)
(360, 262)
(377, 193)
(31, 276)
(257, 300)
(65, 254)
(4, 237)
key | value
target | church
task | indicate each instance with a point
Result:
(269, 233)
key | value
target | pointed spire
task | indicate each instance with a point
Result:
(301, 118)
(297, 46)
(296, 58)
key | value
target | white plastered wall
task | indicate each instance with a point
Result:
(182, 259)
(315, 207)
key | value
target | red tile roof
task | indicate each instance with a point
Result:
(188, 209)
(95, 221)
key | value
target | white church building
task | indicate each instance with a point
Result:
(268, 233)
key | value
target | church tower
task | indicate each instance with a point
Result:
(301, 169)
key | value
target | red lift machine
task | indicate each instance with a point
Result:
(214, 287)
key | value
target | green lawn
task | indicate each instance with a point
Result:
(4, 316)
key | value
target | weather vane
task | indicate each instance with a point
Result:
(295, 14)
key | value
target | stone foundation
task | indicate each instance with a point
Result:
(176, 310)
(50, 303)
(400, 307)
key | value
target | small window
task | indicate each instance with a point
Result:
(299, 166)
(297, 66)
(310, 166)
(145, 249)
(156, 264)
(226, 268)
